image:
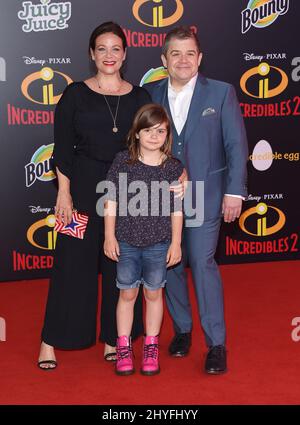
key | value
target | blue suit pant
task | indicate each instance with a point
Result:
(199, 246)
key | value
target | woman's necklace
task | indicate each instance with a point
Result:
(108, 90)
(114, 116)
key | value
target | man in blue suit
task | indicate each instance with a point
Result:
(209, 138)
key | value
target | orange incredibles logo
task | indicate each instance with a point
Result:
(158, 18)
(262, 228)
(48, 222)
(264, 91)
(46, 75)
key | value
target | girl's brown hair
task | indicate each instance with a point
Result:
(148, 116)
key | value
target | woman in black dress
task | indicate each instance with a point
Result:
(92, 120)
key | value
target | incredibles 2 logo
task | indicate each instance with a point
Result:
(46, 77)
(259, 76)
(158, 18)
(254, 220)
(36, 233)
(262, 13)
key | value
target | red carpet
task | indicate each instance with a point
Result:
(264, 362)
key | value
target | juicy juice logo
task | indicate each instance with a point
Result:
(262, 13)
(45, 16)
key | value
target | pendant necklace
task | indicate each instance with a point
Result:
(114, 117)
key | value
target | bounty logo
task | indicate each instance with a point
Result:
(253, 225)
(46, 92)
(259, 79)
(39, 168)
(262, 13)
(157, 18)
(36, 233)
(154, 74)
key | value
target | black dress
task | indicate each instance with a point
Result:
(85, 147)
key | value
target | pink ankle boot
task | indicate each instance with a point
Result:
(124, 365)
(150, 364)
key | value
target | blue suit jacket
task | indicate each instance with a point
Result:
(215, 148)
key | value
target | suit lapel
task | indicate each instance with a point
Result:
(162, 93)
(198, 103)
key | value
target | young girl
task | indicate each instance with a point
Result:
(146, 239)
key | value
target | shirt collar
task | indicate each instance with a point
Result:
(187, 87)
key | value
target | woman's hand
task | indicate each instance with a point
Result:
(64, 207)
(111, 248)
(179, 189)
(173, 254)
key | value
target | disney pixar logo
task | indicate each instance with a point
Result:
(262, 13)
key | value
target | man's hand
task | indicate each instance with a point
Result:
(173, 254)
(231, 208)
(179, 189)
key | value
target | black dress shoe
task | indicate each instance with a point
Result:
(215, 362)
(180, 345)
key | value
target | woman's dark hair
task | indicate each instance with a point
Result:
(105, 28)
(148, 116)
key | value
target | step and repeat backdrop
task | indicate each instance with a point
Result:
(253, 44)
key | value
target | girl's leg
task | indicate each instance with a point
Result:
(128, 279)
(154, 315)
(110, 297)
(154, 311)
(125, 309)
(154, 279)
